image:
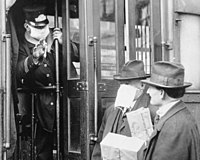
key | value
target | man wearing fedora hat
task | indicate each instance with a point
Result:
(130, 96)
(175, 135)
(36, 69)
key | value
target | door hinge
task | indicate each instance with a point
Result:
(93, 139)
(92, 40)
(4, 36)
(168, 45)
(82, 86)
(102, 87)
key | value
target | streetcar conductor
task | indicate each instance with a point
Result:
(36, 69)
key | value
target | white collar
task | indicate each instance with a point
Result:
(164, 109)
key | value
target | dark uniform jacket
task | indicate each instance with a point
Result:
(175, 137)
(113, 121)
(42, 75)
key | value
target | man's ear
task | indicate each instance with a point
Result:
(26, 26)
(162, 93)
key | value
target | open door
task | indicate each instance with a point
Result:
(99, 32)
(104, 47)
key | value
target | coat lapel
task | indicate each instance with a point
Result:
(111, 121)
(176, 108)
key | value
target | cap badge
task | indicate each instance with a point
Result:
(40, 18)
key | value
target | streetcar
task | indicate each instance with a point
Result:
(109, 32)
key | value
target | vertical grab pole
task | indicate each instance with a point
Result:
(8, 92)
(33, 148)
(3, 151)
(93, 42)
(7, 112)
(32, 126)
(57, 84)
(5, 122)
(96, 88)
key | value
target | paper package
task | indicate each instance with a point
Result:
(120, 147)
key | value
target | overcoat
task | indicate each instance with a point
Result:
(111, 121)
(175, 137)
(38, 76)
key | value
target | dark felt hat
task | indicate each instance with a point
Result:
(167, 75)
(133, 69)
(35, 15)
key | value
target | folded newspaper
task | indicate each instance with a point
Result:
(120, 147)
(140, 123)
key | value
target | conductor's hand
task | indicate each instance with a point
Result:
(57, 34)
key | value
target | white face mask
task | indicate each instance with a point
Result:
(126, 94)
(39, 34)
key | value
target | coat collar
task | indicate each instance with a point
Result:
(176, 108)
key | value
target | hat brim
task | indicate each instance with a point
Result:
(120, 78)
(185, 85)
(39, 24)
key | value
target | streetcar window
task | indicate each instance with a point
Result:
(142, 30)
(107, 33)
(141, 14)
(51, 21)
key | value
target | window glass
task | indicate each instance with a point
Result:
(74, 36)
(107, 34)
(142, 30)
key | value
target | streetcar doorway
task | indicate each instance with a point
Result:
(108, 33)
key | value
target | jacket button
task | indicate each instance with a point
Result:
(45, 65)
(48, 75)
(51, 103)
(50, 84)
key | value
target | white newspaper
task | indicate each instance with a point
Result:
(140, 123)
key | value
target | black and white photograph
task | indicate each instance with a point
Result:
(100, 80)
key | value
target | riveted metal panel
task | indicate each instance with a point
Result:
(191, 98)
(188, 6)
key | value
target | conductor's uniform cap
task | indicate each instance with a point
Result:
(36, 16)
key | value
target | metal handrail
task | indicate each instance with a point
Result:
(36, 89)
